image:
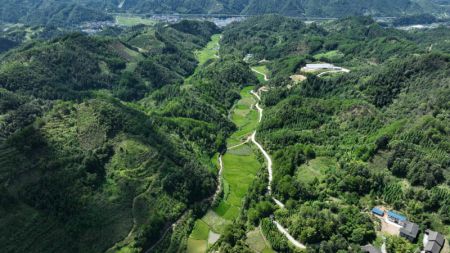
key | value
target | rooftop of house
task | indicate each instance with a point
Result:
(432, 247)
(436, 237)
(410, 229)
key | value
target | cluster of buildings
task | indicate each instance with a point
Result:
(95, 27)
(433, 241)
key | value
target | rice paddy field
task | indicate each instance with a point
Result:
(240, 168)
(245, 116)
(211, 50)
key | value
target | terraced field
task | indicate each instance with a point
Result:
(240, 168)
(245, 116)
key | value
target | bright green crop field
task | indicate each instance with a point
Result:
(244, 116)
(211, 50)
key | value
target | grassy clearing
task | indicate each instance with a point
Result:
(256, 242)
(200, 231)
(334, 55)
(196, 246)
(133, 20)
(215, 222)
(214, 168)
(315, 169)
(211, 51)
(262, 69)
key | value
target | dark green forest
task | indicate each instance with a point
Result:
(99, 139)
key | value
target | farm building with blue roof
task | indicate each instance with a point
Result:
(395, 217)
(377, 211)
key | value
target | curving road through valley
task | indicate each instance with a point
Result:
(269, 187)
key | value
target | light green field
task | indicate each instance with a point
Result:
(244, 116)
(134, 20)
(334, 55)
(240, 171)
(314, 169)
(211, 50)
(262, 69)
(240, 168)
(196, 246)
(256, 242)
(215, 222)
(200, 231)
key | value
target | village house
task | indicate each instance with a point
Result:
(435, 242)
(409, 230)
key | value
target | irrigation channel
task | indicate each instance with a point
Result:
(237, 170)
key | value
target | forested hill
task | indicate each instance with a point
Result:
(71, 12)
(102, 145)
(50, 12)
(310, 8)
(342, 143)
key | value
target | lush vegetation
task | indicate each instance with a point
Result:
(109, 143)
(345, 143)
(100, 136)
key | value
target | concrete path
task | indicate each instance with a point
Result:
(261, 73)
(269, 187)
(288, 236)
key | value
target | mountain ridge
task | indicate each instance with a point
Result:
(72, 12)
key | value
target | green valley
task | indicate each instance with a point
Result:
(125, 131)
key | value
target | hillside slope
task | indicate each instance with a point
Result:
(100, 146)
(344, 142)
